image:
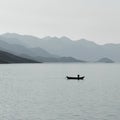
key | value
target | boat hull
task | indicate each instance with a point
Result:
(75, 78)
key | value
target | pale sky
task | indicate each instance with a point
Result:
(95, 20)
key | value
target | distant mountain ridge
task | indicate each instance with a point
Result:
(65, 47)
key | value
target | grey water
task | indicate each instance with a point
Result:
(41, 92)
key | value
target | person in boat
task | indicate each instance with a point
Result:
(78, 76)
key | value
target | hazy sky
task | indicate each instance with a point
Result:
(95, 20)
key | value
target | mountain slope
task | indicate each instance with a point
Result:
(6, 57)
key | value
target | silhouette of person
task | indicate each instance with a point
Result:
(78, 76)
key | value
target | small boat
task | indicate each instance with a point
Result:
(76, 78)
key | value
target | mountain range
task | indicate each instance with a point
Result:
(38, 54)
(54, 49)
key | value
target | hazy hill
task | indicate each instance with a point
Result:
(80, 49)
(105, 60)
(6, 57)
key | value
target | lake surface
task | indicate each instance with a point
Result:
(41, 92)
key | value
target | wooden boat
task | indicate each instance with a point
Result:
(75, 78)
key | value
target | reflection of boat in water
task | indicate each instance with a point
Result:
(76, 78)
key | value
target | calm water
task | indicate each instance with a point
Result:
(41, 92)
